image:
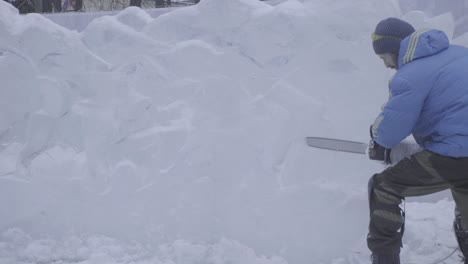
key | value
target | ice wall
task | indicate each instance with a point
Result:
(191, 125)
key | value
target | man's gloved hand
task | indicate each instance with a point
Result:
(393, 155)
(378, 152)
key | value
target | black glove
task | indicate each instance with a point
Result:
(378, 152)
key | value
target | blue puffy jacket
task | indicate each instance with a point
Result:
(428, 96)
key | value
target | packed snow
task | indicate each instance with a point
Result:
(180, 138)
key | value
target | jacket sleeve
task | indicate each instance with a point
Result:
(400, 115)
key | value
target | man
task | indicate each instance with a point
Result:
(428, 99)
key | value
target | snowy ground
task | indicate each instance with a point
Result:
(180, 139)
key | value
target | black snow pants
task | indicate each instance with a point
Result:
(420, 174)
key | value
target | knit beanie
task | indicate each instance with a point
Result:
(388, 35)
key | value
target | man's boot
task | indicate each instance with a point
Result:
(385, 259)
(461, 234)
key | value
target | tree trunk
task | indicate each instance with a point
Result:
(159, 3)
(46, 6)
(57, 5)
(135, 3)
(78, 5)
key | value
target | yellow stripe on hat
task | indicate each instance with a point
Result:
(376, 37)
(414, 40)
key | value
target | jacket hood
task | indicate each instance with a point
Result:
(420, 44)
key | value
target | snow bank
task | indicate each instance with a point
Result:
(188, 127)
(18, 248)
(444, 22)
(79, 21)
(462, 40)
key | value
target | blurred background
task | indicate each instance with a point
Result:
(54, 6)
(458, 8)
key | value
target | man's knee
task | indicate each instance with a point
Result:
(370, 184)
(370, 190)
(386, 217)
(381, 192)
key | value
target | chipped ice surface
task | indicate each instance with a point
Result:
(180, 139)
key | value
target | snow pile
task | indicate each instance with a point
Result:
(79, 21)
(18, 247)
(462, 40)
(185, 133)
(444, 22)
